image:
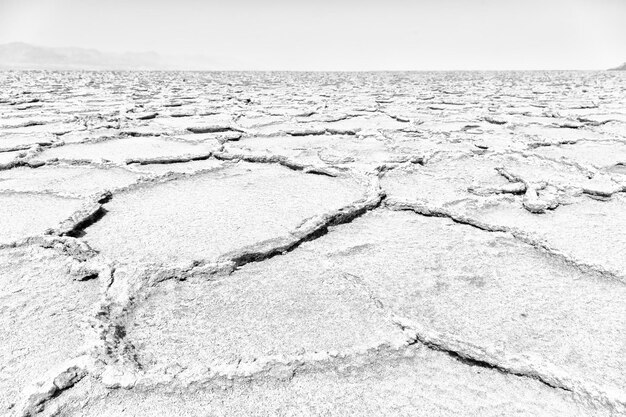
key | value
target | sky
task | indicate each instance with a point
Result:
(336, 35)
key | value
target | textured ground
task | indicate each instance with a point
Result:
(220, 244)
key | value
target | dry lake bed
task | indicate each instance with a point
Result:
(312, 244)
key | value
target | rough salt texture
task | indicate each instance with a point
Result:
(182, 167)
(43, 311)
(81, 181)
(581, 218)
(270, 310)
(488, 290)
(256, 244)
(211, 214)
(422, 382)
(23, 215)
(119, 150)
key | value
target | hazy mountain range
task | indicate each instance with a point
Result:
(18, 55)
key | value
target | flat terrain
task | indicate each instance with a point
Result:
(312, 244)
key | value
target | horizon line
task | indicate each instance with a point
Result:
(16, 69)
(16, 66)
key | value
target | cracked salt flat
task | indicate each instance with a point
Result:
(575, 223)
(278, 308)
(500, 296)
(23, 215)
(421, 382)
(504, 299)
(212, 214)
(8, 157)
(361, 153)
(43, 311)
(80, 181)
(189, 167)
(588, 230)
(261, 244)
(599, 155)
(119, 150)
(11, 142)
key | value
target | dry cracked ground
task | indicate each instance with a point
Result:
(269, 244)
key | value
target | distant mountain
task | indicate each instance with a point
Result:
(18, 55)
(620, 68)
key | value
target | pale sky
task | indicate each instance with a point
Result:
(336, 35)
